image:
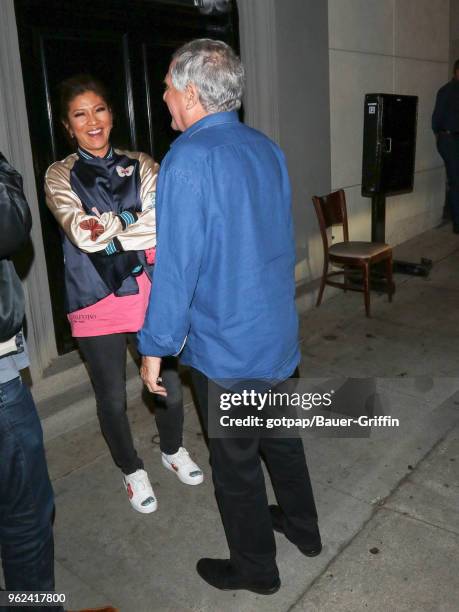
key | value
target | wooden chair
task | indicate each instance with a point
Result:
(331, 210)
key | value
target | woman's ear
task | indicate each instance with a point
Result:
(112, 115)
(67, 127)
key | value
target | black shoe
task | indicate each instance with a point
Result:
(220, 574)
(277, 519)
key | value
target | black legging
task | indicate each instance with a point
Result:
(106, 359)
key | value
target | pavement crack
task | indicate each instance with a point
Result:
(419, 519)
(381, 505)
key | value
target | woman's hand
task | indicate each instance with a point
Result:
(149, 373)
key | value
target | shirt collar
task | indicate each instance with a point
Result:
(207, 122)
(83, 154)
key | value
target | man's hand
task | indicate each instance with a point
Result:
(149, 372)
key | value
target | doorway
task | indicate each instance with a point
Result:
(127, 45)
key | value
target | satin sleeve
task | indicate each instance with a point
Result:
(88, 232)
(141, 235)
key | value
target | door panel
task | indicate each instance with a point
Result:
(156, 62)
(104, 59)
(127, 45)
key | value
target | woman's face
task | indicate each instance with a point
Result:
(90, 121)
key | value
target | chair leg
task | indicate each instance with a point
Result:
(390, 284)
(322, 284)
(366, 289)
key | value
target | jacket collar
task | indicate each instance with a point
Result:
(83, 154)
(207, 122)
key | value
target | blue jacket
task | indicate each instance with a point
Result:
(224, 276)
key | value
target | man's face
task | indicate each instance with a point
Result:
(176, 103)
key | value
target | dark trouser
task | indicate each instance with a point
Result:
(106, 359)
(241, 493)
(26, 496)
(448, 147)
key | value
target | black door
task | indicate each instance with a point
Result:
(125, 43)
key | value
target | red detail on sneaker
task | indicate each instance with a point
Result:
(130, 492)
(174, 467)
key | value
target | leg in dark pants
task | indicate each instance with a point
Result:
(26, 496)
(448, 147)
(169, 410)
(289, 474)
(241, 496)
(106, 359)
(241, 493)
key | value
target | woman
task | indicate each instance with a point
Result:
(104, 202)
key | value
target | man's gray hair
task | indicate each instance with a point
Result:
(215, 70)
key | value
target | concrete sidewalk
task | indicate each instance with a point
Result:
(388, 504)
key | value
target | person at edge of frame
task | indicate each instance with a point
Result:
(445, 125)
(225, 297)
(26, 495)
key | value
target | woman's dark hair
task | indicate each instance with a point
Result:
(77, 85)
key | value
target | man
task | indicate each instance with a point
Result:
(224, 293)
(26, 496)
(445, 124)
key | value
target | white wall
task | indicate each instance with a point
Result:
(388, 46)
(304, 117)
(284, 46)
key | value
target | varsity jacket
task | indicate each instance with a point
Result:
(105, 208)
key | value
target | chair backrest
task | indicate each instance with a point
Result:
(331, 210)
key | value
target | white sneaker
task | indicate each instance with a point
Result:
(140, 492)
(182, 464)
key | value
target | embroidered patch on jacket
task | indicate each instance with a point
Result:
(124, 171)
(94, 227)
